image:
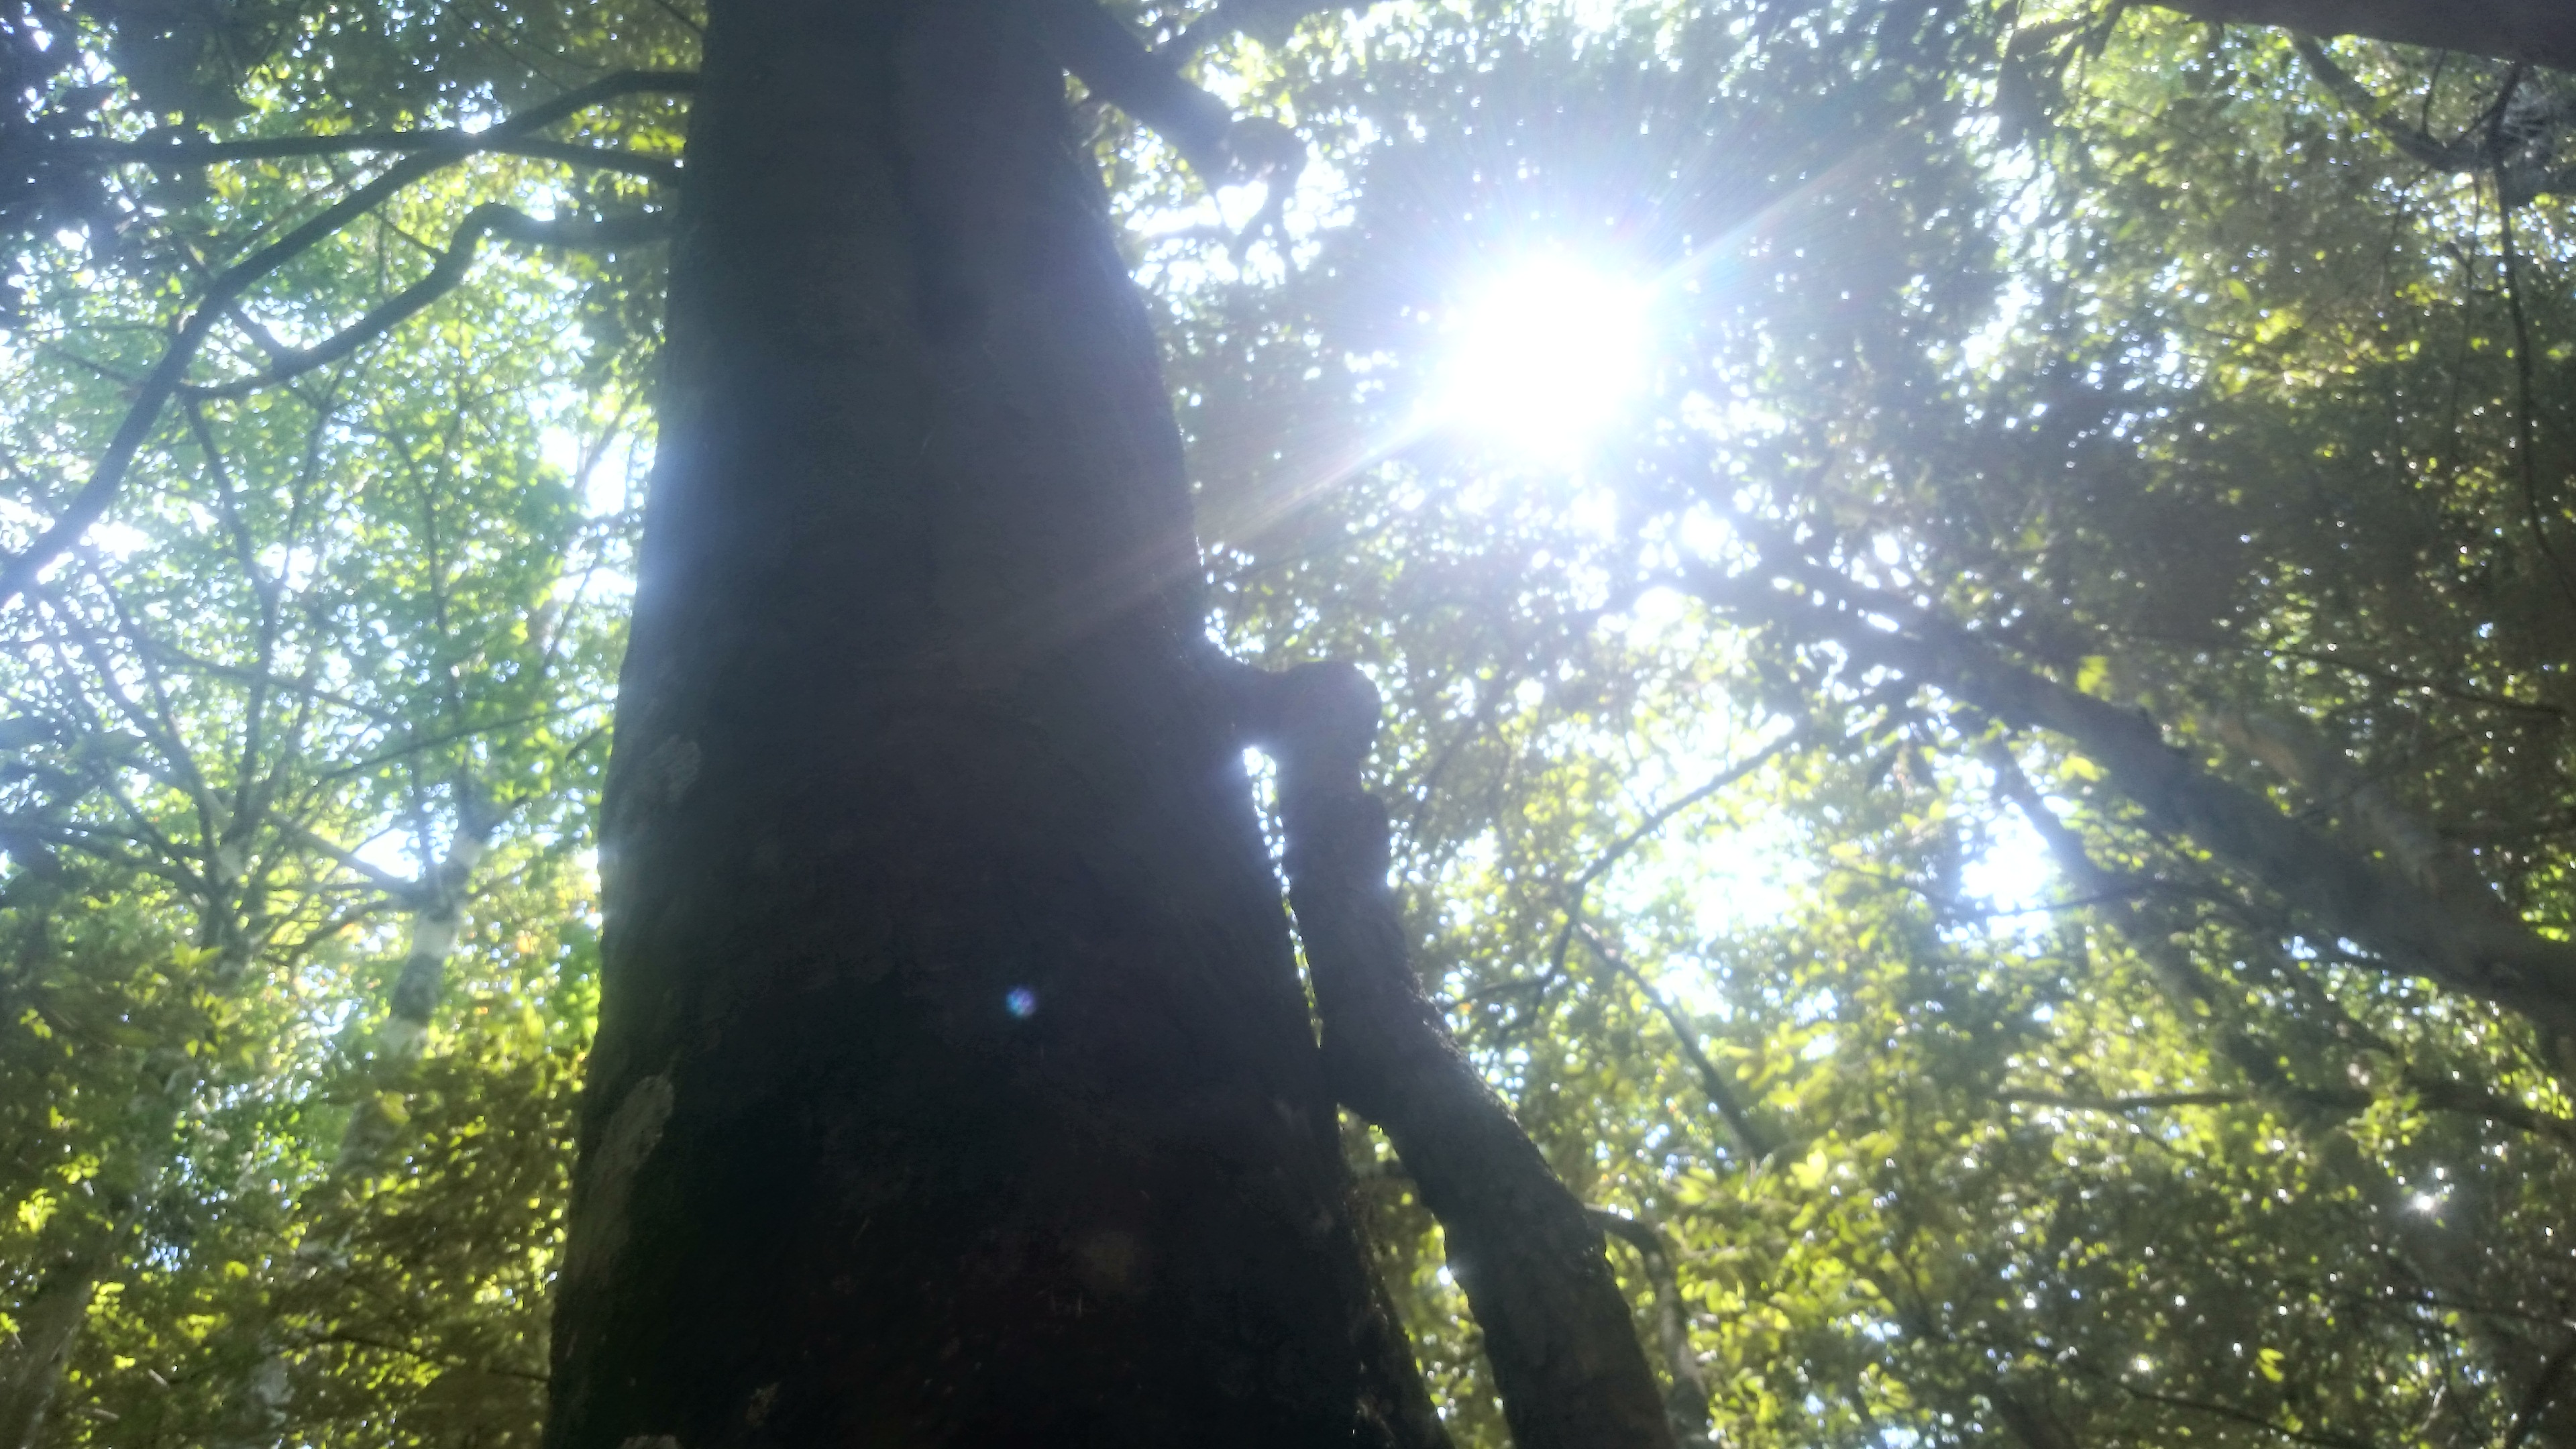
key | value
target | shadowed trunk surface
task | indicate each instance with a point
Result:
(954, 1084)
(2535, 32)
(1563, 1347)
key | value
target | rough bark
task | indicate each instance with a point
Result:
(954, 1084)
(2535, 32)
(1557, 1331)
(1686, 1400)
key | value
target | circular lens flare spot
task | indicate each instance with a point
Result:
(1021, 1002)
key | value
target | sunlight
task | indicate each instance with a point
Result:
(1544, 358)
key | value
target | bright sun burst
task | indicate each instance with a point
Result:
(1544, 357)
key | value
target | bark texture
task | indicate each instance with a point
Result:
(2535, 32)
(1686, 1400)
(954, 1083)
(1557, 1330)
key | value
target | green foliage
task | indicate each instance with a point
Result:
(334, 632)
(2183, 384)
(2126, 345)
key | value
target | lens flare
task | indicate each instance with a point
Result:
(1544, 358)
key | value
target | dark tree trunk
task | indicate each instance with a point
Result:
(954, 1084)
(2536, 32)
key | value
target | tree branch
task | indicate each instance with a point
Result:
(448, 273)
(2145, 1102)
(2537, 32)
(1557, 1329)
(193, 151)
(2433, 1093)
(1687, 1404)
(1580, 885)
(1267, 20)
(2492, 955)
(167, 375)
(2224, 1411)
(2447, 156)
(1757, 1140)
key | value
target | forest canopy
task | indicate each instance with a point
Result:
(1965, 594)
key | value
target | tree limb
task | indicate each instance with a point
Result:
(490, 219)
(2495, 956)
(1687, 1402)
(1656, 819)
(1757, 1139)
(168, 374)
(2433, 1093)
(194, 151)
(1557, 1329)
(2519, 177)
(2536, 32)
(1105, 56)
(2450, 156)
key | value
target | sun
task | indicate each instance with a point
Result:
(1543, 357)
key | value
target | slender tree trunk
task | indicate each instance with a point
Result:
(31, 1368)
(954, 1083)
(438, 917)
(52, 1318)
(1563, 1346)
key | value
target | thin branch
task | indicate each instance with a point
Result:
(2226, 1411)
(2432, 1093)
(2147, 1102)
(1582, 881)
(401, 890)
(2330, 660)
(2544, 1388)
(2526, 414)
(2492, 954)
(1758, 1141)
(1232, 17)
(170, 372)
(414, 746)
(190, 151)
(490, 219)
(2449, 156)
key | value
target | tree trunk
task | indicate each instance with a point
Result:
(49, 1324)
(2535, 32)
(954, 1082)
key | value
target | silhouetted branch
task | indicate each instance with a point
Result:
(2541, 32)
(444, 276)
(1757, 1140)
(168, 374)
(1687, 1402)
(1557, 1330)
(194, 151)
(2488, 953)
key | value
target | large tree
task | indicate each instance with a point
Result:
(955, 1083)
(2065, 436)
